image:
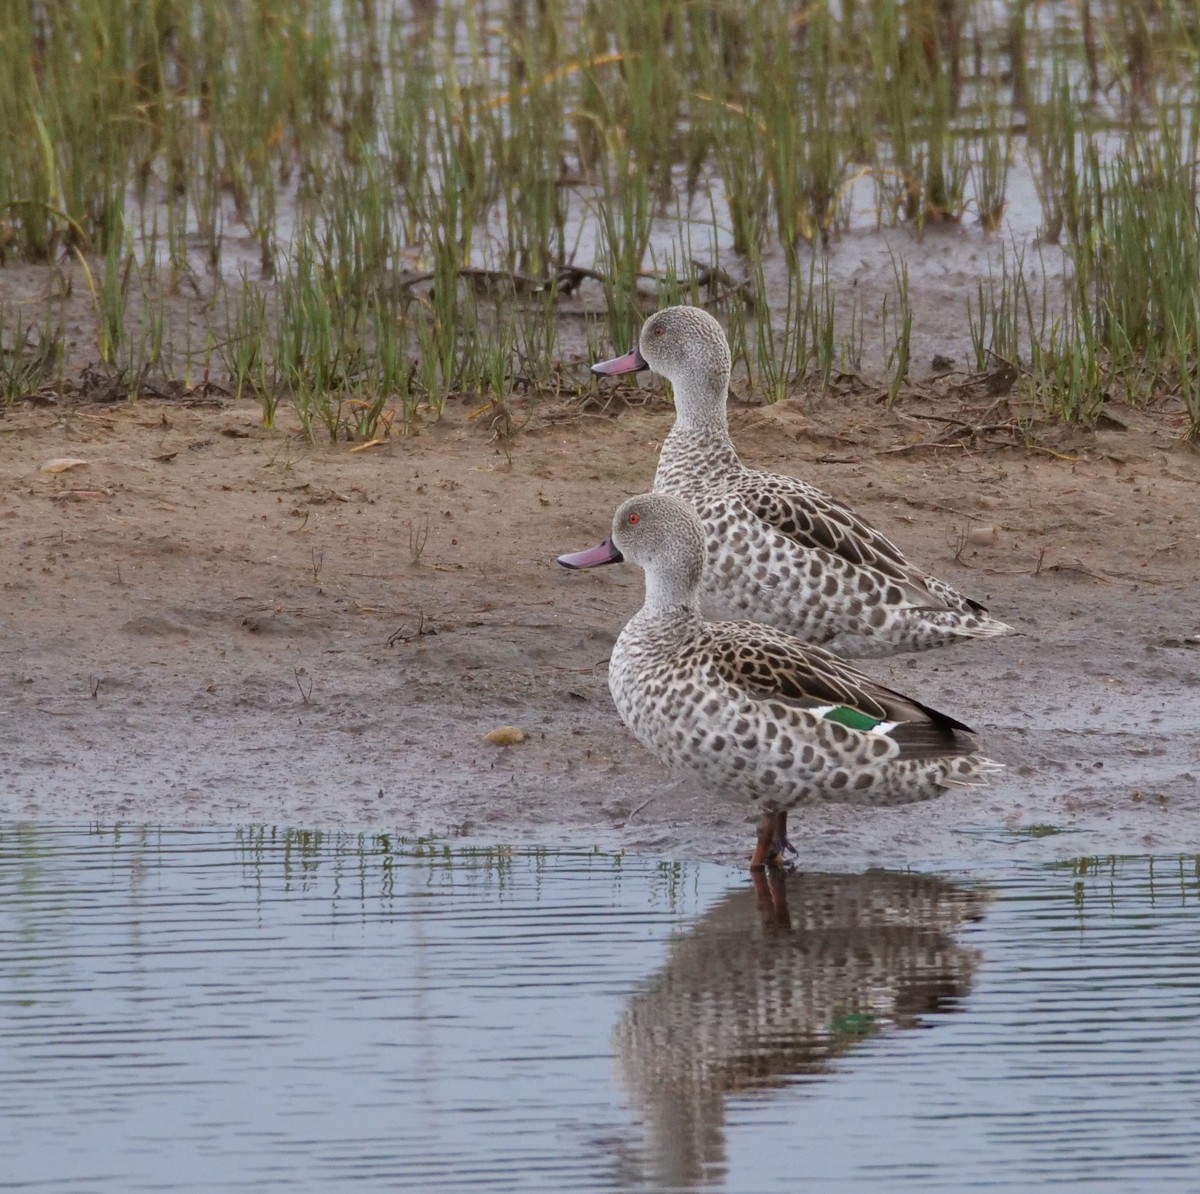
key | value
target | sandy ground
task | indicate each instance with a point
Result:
(209, 623)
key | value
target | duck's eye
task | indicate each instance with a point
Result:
(634, 519)
(658, 331)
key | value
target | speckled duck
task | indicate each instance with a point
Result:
(756, 713)
(780, 550)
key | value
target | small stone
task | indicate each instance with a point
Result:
(982, 536)
(60, 464)
(505, 736)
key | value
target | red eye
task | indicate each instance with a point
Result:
(634, 519)
(658, 331)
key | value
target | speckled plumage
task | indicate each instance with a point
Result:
(754, 712)
(775, 982)
(780, 550)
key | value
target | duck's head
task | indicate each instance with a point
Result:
(660, 533)
(686, 345)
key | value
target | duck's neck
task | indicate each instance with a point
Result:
(700, 402)
(671, 600)
(698, 446)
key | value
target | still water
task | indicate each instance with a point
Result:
(251, 1010)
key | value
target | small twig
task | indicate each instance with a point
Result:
(418, 536)
(1041, 566)
(404, 635)
(960, 544)
(921, 447)
(568, 277)
(1045, 452)
(520, 282)
(1165, 547)
(304, 695)
(648, 800)
(944, 509)
(1078, 566)
(713, 275)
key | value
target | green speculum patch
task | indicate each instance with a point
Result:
(846, 716)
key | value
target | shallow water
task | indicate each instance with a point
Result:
(223, 1010)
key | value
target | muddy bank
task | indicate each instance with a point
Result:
(205, 623)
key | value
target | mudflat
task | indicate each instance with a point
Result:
(206, 622)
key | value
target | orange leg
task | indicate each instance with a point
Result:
(772, 844)
(782, 845)
(764, 849)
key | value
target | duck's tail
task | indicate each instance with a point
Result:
(981, 626)
(968, 771)
(917, 628)
(952, 598)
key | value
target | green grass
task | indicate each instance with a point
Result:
(378, 206)
(29, 356)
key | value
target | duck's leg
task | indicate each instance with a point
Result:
(781, 843)
(765, 854)
(772, 845)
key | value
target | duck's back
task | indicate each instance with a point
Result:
(783, 552)
(731, 703)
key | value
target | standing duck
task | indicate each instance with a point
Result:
(756, 713)
(780, 550)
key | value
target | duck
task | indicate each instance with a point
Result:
(781, 551)
(753, 712)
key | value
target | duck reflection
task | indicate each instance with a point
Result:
(770, 986)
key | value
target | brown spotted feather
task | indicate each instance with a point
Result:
(742, 706)
(781, 551)
(770, 666)
(813, 519)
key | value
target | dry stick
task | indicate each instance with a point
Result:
(710, 275)
(304, 695)
(648, 800)
(960, 546)
(1038, 448)
(972, 427)
(403, 635)
(519, 281)
(568, 277)
(1078, 566)
(927, 444)
(1165, 547)
(964, 428)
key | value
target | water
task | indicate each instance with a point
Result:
(253, 1010)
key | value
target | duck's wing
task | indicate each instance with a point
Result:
(766, 666)
(811, 518)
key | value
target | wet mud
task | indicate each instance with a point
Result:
(205, 623)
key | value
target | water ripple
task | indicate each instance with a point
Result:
(200, 1010)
